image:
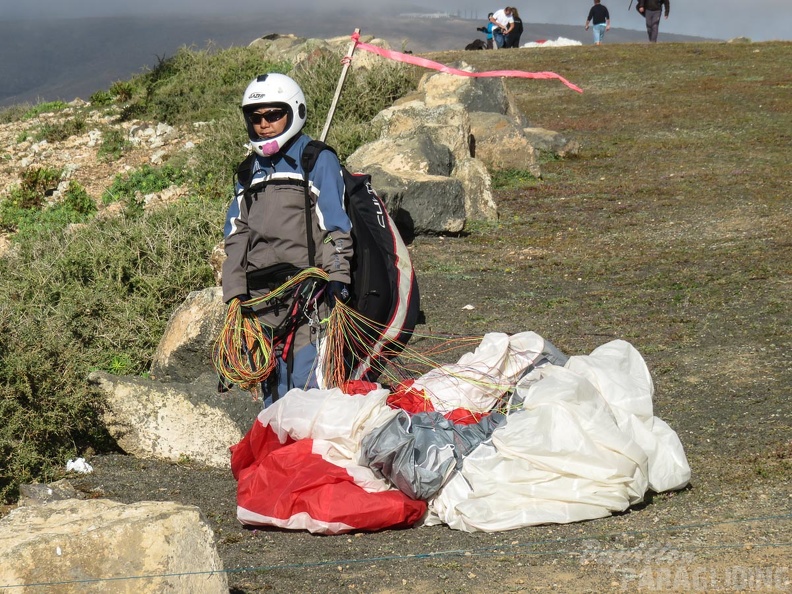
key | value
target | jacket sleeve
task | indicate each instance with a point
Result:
(236, 243)
(336, 239)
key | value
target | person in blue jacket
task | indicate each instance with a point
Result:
(487, 30)
(266, 230)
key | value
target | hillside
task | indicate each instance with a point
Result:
(44, 60)
(670, 230)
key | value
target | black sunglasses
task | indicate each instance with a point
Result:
(271, 116)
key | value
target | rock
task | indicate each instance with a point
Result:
(185, 349)
(5, 244)
(411, 135)
(421, 203)
(448, 125)
(417, 153)
(552, 142)
(501, 144)
(173, 421)
(289, 47)
(477, 184)
(474, 94)
(40, 494)
(99, 546)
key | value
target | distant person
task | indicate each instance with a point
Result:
(599, 18)
(502, 23)
(487, 30)
(516, 31)
(652, 9)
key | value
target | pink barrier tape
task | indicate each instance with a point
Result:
(423, 62)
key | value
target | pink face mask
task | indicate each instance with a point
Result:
(269, 148)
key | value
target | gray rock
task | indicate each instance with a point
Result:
(501, 144)
(420, 203)
(552, 142)
(40, 494)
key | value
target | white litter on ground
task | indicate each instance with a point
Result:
(79, 465)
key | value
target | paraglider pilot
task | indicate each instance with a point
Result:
(274, 228)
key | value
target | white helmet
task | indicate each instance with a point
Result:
(276, 90)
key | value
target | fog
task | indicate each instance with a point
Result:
(761, 20)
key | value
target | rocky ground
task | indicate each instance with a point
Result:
(79, 157)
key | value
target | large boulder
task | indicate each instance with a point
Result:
(487, 94)
(475, 179)
(421, 203)
(416, 153)
(448, 124)
(98, 546)
(185, 349)
(421, 166)
(172, 421)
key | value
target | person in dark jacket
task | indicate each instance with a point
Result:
(267, 230)
(515, 31)
(599, 18)
(652, 10)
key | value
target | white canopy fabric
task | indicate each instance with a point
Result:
(584, 445)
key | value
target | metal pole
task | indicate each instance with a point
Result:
(344, 70)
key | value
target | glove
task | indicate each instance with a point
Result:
(242, 299)
(482, 29)
(337, 291)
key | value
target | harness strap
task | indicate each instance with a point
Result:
(308, 230)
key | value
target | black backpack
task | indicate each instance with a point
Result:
(384, 288)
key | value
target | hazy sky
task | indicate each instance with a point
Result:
(761, 20)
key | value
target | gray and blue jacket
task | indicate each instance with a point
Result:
(269, 227)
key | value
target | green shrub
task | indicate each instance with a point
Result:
(26, 213)
(77, 200)
(119, 92)
(114, 144)
(13, 113)
(123, 90)
(198, 85)
(47, 107)
(215, 159)
(101, 98)
(132, 187)
(95, 297)
(61, 130)
(26, 198)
